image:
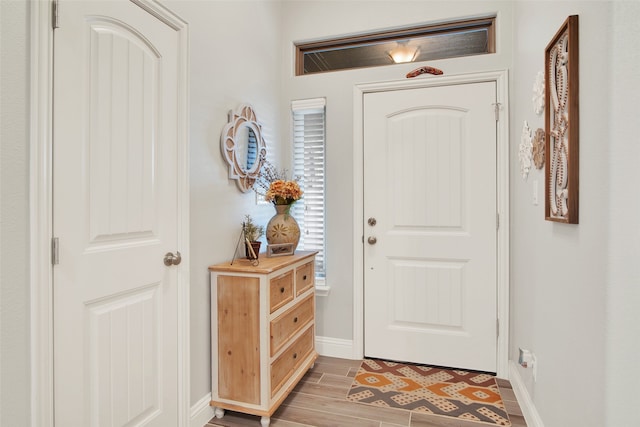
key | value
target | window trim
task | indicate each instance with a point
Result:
(314, 106)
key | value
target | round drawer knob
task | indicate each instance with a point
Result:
(295, 320)
(282, 290)
(295, 355)
(304, 277)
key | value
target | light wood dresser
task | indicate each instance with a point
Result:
(262, 332)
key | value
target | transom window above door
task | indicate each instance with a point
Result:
(413, 44)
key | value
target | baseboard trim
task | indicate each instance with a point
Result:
(529, 410)
(201, 412)
(334, 347)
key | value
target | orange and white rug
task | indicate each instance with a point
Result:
(447, 392)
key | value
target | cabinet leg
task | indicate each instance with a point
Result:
(265, 421)
(219, 412)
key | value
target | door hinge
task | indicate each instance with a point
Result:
(497, 221)
(497, 328)
(496, 110)
(55, 251)
(54, 14)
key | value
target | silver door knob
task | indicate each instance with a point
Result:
(372, 221)
(372, 240)
(171, 259)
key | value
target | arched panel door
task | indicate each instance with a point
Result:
(116, 210)
(431, 253)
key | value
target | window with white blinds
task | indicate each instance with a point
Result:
(309, 168)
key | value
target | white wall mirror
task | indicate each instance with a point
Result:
(243, 147)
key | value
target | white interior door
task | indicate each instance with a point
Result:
(116, 215)
(430, 256)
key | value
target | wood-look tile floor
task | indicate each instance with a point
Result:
(319, 400)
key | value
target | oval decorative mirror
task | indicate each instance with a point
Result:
(243, 147)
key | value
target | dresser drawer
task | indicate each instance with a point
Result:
(280, 291)
(284, 366)
(304, 277)
(290, 322)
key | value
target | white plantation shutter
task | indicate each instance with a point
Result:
(308, 168)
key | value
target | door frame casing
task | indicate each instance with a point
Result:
(41, 210)
(502, 205)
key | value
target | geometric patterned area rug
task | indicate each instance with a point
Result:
(447, 392)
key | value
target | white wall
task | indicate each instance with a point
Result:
(310, 20)
(623, 300)
(234, 49)
(574, 288)
(559, 271)
(14, 214)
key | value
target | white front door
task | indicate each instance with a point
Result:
(115, 212)
(430, 225)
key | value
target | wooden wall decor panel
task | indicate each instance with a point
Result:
(562, 124)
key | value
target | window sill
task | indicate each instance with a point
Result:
(322, 290)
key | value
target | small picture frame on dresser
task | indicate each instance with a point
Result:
(279, 249)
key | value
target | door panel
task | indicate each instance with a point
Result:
(430, 182)
(124, 333)
(427, 150)
(123, 120)
(115, 212)
(435, 288)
